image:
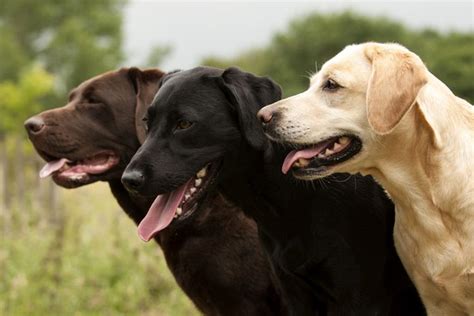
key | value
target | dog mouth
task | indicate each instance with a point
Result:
(70, 173)
(179, 204)
(316, 159)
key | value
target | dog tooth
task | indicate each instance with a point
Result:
(197, 182)
(303, 162)
(202, 173)
(179, 210)
(192, 190)
(187, 196)
(343, 140)
(321, 155)
(300, 163)
(337, 146)
(328, 152)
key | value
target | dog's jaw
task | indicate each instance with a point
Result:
(175, 207)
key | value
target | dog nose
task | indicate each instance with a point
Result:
(133, 180)
(265, 115)
(34, 125)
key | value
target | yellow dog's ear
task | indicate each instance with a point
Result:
(397, 77)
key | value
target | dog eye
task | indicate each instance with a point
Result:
(183, 124)
(331, 85)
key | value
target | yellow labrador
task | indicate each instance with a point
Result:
(376, 109)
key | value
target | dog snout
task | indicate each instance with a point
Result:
(133, 180)
(265, 115)
(34, 125)
(268, 117)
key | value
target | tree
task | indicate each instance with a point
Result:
(294, 54)
(23, 97)
(157, 55)
(72, 39)
(451, 58)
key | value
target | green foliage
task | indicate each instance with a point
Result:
(84, 259)
(157, 55)
(72, 39)
(10, 51)
(20, 98)
(451, 59)
(293, 55)
(93, 264)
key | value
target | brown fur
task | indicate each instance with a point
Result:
(214, 255)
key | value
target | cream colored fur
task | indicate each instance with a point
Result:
(418, 142)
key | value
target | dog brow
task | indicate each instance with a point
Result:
(88, 91)
(71, 95)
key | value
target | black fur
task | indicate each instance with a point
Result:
(330, 242)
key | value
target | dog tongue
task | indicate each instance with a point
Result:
(161, 212)
(307, 153)
(52, 166)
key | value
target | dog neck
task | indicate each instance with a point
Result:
(433, 142)
(430, 176)
(443, 114)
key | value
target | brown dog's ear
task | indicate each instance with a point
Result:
(397, 77)
(146, 83)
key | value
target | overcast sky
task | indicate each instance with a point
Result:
(196, 29)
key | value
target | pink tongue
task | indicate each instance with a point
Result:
(161, 212)
(52, 166)
(307, 153)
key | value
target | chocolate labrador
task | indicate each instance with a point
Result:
(213, 253)
(330, 242)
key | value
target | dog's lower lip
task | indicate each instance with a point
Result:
(99, 163)
(320, 164)
(310, 172)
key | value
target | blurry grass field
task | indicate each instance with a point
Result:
(94, 264)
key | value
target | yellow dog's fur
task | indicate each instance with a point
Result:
(418, 142)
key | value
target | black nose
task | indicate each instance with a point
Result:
(133, 180)
(34, 125)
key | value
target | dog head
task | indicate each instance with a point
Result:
(96, 133)
(197, 123)
(358, 96)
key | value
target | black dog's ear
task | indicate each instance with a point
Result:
(167, 76)
(248, 94)
(146, 83)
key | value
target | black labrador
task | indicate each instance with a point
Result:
(330, 242)
(214, 253)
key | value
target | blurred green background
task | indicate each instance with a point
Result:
(74, 252)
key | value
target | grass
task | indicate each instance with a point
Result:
(84, 259)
